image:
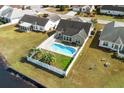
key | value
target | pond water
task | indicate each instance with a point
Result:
(9, 81)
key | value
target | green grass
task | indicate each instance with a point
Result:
(14, 45)
(61, 61)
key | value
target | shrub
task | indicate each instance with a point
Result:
(45, 15)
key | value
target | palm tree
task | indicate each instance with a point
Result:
(31, 51)
(94, 21)
(48, 58)
(34, 52)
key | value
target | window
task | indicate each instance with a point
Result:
(78, 41)
(112, 45)
(41, 28)
(105, 43)
(70, 39)
(64, 37)
(116, 47)
(120, 47)
(59, 34)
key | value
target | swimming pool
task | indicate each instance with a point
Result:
(63, 49)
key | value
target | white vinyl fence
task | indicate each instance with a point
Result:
(44, 65)
(75, 58)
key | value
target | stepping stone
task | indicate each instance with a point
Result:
(107, 64)
(103, 59)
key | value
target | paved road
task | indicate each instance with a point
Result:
(65, 16)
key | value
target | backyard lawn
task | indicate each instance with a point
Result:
(60, 61)
(88, 71)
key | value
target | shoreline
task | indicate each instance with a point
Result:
(17, 75)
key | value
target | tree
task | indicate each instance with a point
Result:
(48, 58)
(62, 8)
(45, 15)
(45, 6)
(34, 50)
(98, 10)
(94, 21)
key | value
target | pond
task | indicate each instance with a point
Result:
(10, 81)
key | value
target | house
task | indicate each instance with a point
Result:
(112, 37)
(75, 18)
(35, 23)
(83, 8)
(9, 13)
(54, 20)
(5, 12)
(112, 10)
(73, 31)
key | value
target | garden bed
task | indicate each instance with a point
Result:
(60, 61)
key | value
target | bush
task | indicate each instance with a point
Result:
(45, 15)
(115, 55)
(94, 20)
(93, 32)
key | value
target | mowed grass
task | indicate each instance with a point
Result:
(56, 10)
(104, 17)
(110, 18)
(61, 61)
(15, 45)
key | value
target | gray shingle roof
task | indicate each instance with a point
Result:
(112, 34)
(54, 17)
(71, 28)
(34, 20)
(112, 7)
(76, 19)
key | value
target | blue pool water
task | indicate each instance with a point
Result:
(63, 49)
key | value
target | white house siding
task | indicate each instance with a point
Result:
(110, 12)
(50, 25)
(120, 55)
(83, 9)
(38, 28)
(92, 8)
(110, 44)
(77, 38)
(76, 9)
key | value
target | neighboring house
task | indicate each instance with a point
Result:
(8, 13)
(83, 8)
(35, 23)
(112, 10)
(73, 31)
(112, 37)
(5, 12)
(54, 20)
(75, 18)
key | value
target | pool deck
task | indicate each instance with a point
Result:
(50, 41)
